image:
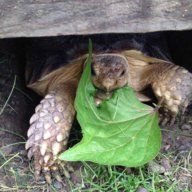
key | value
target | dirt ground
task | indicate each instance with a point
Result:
(16, 172)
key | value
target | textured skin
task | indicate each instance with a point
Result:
(170, 83)
(131, 61)
(172, 87)
(50, 127)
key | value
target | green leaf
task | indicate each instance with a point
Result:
(120, 131)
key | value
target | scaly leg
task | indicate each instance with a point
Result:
(49, 129)
(172, 86)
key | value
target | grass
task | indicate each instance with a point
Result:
(99, 178)
(102, 178)
(113, 179)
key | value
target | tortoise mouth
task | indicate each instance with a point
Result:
(109, 92)
(99, 85)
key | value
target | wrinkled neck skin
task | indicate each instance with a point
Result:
(143, 71)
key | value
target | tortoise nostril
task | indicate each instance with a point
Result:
(122, 73)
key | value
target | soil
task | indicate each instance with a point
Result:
(16, 106)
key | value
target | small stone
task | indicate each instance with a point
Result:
(58, 185)
(167, 147)
(186, 127)
(184, 179)
(166, 164)
(141, 189)
(155, 167)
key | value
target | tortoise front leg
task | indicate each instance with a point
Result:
(172, 86)
(49, 129)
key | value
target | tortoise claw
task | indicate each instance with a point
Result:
(54, 172)
(164, 121)
(167, 119)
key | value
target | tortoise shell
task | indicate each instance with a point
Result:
(56, 56)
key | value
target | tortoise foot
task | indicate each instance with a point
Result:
(48, 134)
(166, 119)
(173, 90)
(55, 172)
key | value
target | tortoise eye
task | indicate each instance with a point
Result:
(92, 70)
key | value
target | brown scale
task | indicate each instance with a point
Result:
(50, 125)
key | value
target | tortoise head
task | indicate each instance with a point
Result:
(109, 71)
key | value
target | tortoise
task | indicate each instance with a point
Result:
(54, 68)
